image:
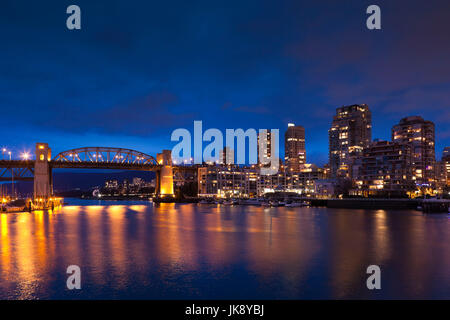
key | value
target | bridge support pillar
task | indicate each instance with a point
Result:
(42, 173)
(164, 178)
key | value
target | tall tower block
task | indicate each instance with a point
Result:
(42, 173)
(294, 147)
(165, 178)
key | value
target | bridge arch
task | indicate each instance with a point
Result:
(105, 155)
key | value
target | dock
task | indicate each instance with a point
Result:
(435, 206)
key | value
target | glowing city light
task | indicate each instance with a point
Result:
(25, 155)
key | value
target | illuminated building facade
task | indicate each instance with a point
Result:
(446, 165)
(137, 187)
(267, 151)
(276, 182)
(324, 188)
(227, 181)
(309, 173)
(419, 134)
(384, 169)
(226, 156)
(441, 175)
(294, 147)
(112, 184)
(301, 182)
(350, 132)
(246, 182)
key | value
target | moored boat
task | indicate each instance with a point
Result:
(297, 204)
(18, 205)
(271, 203)
(247, 202)
(206, 201)
(228, 202)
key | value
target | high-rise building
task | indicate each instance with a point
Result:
(446, 164)
(350, 133)
(442, 172)
(419, 134)
(446, 153)
(441, 176)
(384, 169)
(226, 156)
(267, 151)
(294, 147)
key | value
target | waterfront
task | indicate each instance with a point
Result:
(141, 250)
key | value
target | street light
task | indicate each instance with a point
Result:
(25, 155)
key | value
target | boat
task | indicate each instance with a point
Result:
(206, 201)
(14, 209)
(18, 205)
(228, 202)
(271, 203)
(296, 204)
(276, 204)
(247, 202)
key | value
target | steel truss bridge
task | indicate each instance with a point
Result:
(107, 158)
(19, 170)
(40, 170)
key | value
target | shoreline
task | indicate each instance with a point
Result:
(428, 205)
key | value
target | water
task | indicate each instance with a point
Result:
(136, 250)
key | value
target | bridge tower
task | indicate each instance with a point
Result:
(42, 172)
(164, 177)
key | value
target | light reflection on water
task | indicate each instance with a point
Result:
(175, 251)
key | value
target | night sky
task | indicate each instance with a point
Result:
(137, 70)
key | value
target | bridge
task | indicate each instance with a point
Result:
(40, 169)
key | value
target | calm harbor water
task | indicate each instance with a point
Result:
(137, 250)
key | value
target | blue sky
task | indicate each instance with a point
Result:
(138, 70)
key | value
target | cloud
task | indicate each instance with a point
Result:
(402, 69)
(140, 116)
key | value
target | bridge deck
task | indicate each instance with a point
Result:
(16, 163)
(104, 165)
(29, 164)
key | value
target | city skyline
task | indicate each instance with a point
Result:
(184, 153)
(26, 154)
(119, 83)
